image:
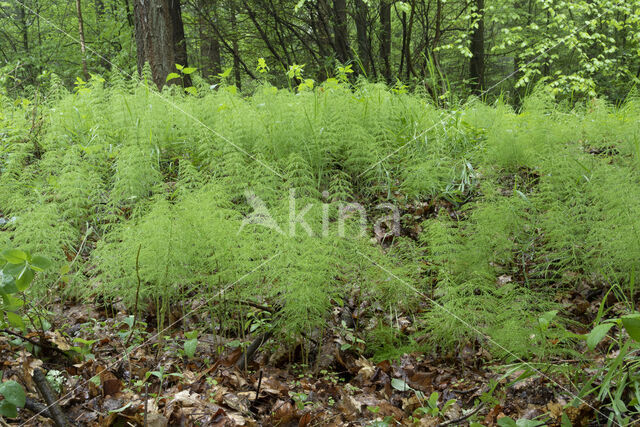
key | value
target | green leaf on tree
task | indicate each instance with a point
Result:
(14, 256)
(40, 263)
(172, 76)
(15, 320)
(25, 278)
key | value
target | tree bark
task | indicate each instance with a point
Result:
(340, 30)
(320, 27)
(436, 37)
(83, 48)
(211, 62)
(160, 38)
(403, 20)
(210, 52)
(364, 43)
(385, 39)
(476, 63)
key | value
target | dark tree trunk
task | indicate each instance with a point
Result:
(385, 39)
(160, 38)
(278, 29)
(364, 43)
(321, 27)
(403, 20)
(321, 37)
(408, 56)
(436, 37)
(476, 64)
(210, 52)
(340, 30)
(211, 62)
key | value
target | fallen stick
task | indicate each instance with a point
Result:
(463, 418)
(37, 408)
(55, 413)
(35, 342)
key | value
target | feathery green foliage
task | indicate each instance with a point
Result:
(522, 205)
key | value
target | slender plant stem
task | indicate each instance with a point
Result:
(135, 307)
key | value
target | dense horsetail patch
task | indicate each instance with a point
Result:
(499, 212)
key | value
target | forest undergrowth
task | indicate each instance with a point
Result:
(517, 232)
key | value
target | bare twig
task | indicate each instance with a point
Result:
(464, 417)
(258, 389)
(34, 342)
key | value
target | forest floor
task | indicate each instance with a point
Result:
(340, 388)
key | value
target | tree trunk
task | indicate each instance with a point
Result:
(211, 62)
(476, 64)
(403, 20)
(364, 44)
(407, 47)
(436, 37)
(321, 26)
(160, 38)
(210, 52)
(340, 30)
(83, 49)
(278, 23)
(385, 39)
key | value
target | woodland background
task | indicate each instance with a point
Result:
(446, 47)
